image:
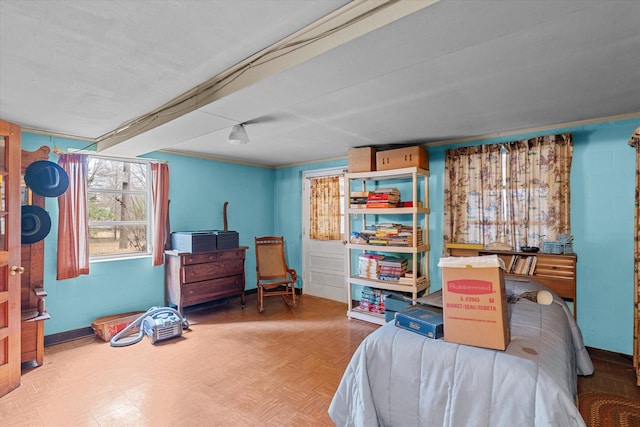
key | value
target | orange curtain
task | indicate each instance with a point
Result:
(73, 226)
(160, 206)
(635, 142)
(325, 208)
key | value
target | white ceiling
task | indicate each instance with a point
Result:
(452, 70)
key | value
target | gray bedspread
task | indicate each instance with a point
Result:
(400, 378)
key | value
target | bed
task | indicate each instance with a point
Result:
(400, 378)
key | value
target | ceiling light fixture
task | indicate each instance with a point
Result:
(238, 135)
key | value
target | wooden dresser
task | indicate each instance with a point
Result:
(194, 278)
(555, 271)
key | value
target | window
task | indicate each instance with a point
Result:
(516, 192)
(327, 208)
(119, 205)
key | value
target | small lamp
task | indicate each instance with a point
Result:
(238, 135)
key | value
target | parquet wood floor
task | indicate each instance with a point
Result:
(233, 367)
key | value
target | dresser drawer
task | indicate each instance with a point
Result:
(556, 267)
(205, 257)
(197, 292)
(200, 272)
(194, 278)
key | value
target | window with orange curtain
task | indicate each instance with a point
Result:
(517, 192)
(325, 211)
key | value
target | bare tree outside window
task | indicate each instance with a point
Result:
(118, 207)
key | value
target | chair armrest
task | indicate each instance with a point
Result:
(293, 273)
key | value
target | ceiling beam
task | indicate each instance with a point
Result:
(345, 24)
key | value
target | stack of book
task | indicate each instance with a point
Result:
(383, 233)
(404, 237)
(522, 264)
(358, 199)
(372, 300)
(392, 268)
(383, 198)
(369, 265)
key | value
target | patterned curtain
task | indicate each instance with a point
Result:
(635, 142)
(521, 201)
(325, 208)
(537, 182)
(473, 208)
(73, 225)
(160, 206)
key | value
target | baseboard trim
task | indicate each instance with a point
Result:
(75, 334)
(67, 336)
(610, 356)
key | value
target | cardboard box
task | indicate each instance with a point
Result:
(399, 158)
(475, 303)
(427, 321)
(107, 327)
(362, 159)
(395, 302)
(193, 241)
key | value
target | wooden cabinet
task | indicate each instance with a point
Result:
(555, 271)
(194, 278)
(415, 187)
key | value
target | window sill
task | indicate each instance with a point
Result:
(117, 258)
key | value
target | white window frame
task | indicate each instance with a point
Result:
(148, 214)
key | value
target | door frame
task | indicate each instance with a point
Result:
(306, 175)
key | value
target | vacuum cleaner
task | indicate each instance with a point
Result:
(158, 323)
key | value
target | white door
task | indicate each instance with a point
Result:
(323, 261)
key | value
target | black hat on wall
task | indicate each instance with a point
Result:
(46, 178)
(36, 224)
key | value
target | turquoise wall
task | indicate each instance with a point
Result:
(265, 201)
(288, 208)
(602, 204)
(198, 190)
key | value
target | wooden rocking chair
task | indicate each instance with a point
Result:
(273, 275)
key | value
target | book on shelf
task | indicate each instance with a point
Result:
(358, 200)
(380, 204)
(397, 271)
(409, 204)
(383, 198)
(532, 268)
(522, 264)
(393, 190)
(378, 241)
(393, 261)
(364, 194)
(372, 300)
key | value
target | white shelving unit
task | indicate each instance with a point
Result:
(357, 220)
